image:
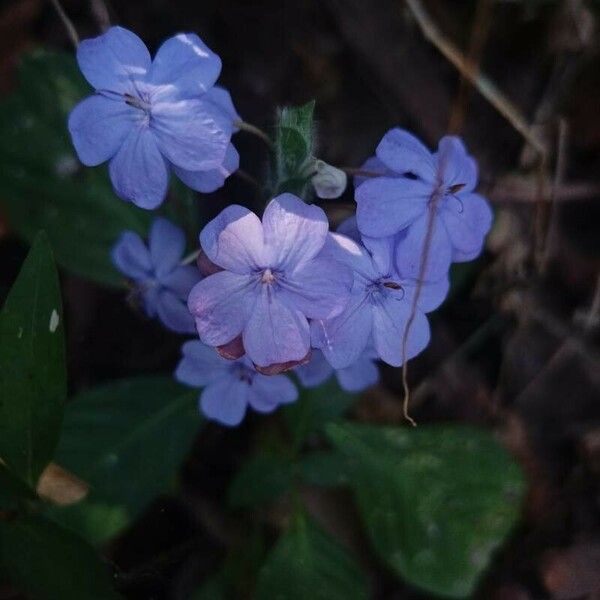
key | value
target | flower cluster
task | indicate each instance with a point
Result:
(279, 292)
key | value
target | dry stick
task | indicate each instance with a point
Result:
(488, 89)
(100, 12)
(479, 34)
(71, 31)
(245, 176)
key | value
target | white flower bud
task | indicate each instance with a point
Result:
(328, 181)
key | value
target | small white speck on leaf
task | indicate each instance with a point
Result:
(20, 333)
(54, 321)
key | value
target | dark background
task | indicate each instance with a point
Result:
(515, 347)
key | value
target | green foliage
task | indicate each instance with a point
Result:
(294, 146)
(32, 366)
(42, 184)
(128, 437)
(51, 563)
(315, 408)
(307, 563)
(13, 490)
(436, 501)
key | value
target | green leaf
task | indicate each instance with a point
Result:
(127, 438)
(13, 490)
(436, 501)
(51, 563)
(315, 408)
(42, 184)
(324, 469)
(32, 366)
(260, 480)
(95, 522)
(306, 564)
(294, 145)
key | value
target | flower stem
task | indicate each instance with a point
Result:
(190, 258)
(254, 130)
(62, 15)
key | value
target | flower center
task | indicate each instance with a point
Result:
(380, 287)
(244, 374)
(137, 102)
(267, 276)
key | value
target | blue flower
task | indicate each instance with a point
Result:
(380, 307)
(159, 279)
(231, 385)
(416, 181)
(272, 282)
(357, 377)
(148, 117)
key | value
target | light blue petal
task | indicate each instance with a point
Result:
(138, 171)
(225, 401)
(209, 181)
(191, 133)
(222, 304)
(181, 280)
(222, 98)
(316, 371)
(403, 153)
(131, 257)
(374, 167)
(167, 245)
(111, 61)
(275, 333)
(98, 127)
(233, 240)
(269, 392)
(200, 365)
(410, 249)
(173, 313)
(294, 231)
(468, 219)
(455, 165)
(358, 376)
(344, 338)
(386, 205)
(320, 289)
(187, 65)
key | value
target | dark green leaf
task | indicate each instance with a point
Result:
(306, 564)
(13, 490)
(95, 522)
(32, 366)
(260, 480)
(43, 186)
(316, 407)
(128, 438)
(436, 500)
(51, 563)
(324, 469)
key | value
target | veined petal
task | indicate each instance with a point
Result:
(268, 392)
(468, 219)
(187, 64)
(316, 371)
(390, 319)
(173, 313)
(131, 256)
(455, 165)
(181, 280)
(167, 245)
(410, 248)
(386, 205)
(191, 133)
(359, 375)
(275, 333)
(349, 228)
(222, 99)
(234, 240)
(403, 153)
(222, 304)
(344, 338)
(213, 179)
(320, 289)
(138, 171)
(345, 250)
(200, 365)
(431, 294)
(98, 127)
(112, 60)
(294, 232)
(225, 401)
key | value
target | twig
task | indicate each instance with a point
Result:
(62, 15)
(100, 12)
(360, 172)
(486, 87)
(593, 315)
(245, 176)
(479, 36)
(190, 258)
(254, 130)
(521, 193)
